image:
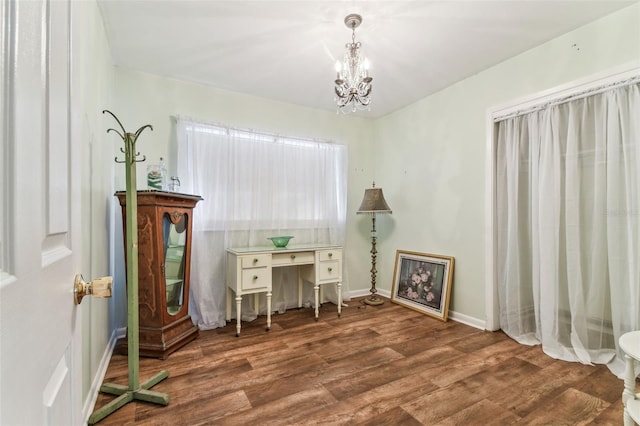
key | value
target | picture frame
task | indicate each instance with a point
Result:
(422, 282)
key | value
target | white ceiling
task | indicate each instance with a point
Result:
(286, 50)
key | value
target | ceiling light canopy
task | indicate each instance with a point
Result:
(353, 83)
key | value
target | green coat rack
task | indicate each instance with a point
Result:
(135, 389)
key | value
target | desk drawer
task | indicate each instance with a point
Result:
(255, 278)
(329, 271)
(291, 259)
(334, 254)
(256, 261)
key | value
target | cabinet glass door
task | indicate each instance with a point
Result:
(175, 237)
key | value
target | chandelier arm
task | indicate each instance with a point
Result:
(364, 89)
(340, 92)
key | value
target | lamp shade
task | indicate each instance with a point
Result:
(374, 202)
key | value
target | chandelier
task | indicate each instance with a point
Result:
(353, 84)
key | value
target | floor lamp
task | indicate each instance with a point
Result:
(372, 203)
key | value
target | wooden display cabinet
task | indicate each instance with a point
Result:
(164, 252)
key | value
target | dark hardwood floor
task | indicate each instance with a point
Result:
(376, 365)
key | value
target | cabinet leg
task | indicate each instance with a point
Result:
(316, 291)
(339, 298)
(268, 310)
(238, 314)
(228, 313)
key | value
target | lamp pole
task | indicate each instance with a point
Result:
(373, 299)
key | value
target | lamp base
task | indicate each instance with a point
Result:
(374, 300)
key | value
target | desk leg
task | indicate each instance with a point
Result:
(238, 314)
(228, 304)
(339, 283)
(256, 303)
(268, 310)
(299, 288)
(316, 290)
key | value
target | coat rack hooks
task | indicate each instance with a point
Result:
(129, 140)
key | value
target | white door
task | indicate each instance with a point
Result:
(40, 363)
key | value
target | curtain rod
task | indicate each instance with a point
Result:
(258, 132)
(572, 97)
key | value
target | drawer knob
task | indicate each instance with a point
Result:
(330, 254)
(255, 277)
(330, 269)
(293, 256)
(255, 260)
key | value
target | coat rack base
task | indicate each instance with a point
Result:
(125, 396)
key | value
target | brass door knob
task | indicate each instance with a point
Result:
(100, 287)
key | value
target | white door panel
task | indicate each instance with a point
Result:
(39, 324)
(57, 395)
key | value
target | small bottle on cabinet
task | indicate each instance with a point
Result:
(174, 184)
(157, 176)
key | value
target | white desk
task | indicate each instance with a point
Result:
(630, 344)
(249, 271)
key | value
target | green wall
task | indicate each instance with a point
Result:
(430, 156)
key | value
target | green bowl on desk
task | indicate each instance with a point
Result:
(280, 242)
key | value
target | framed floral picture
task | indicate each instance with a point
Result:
(423, 282)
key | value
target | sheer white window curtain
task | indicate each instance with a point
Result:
(256, 185)
(568, 232)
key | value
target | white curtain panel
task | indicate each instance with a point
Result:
(568, 226)
(255, 186)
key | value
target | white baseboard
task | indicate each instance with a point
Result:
(467, 320)
(121, 333)
(92, 397)
(366, 292)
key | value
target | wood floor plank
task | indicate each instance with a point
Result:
(610, 415)
(437, 406)
(442, 403)
(462, 367)
(484, 413)
(596, 384)
(280, 411)
(190, 413)
(394, 417)
(375, 365)
(536, 356)
(362, 381)
(571, 407)
(541, 388)
(363, 407)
